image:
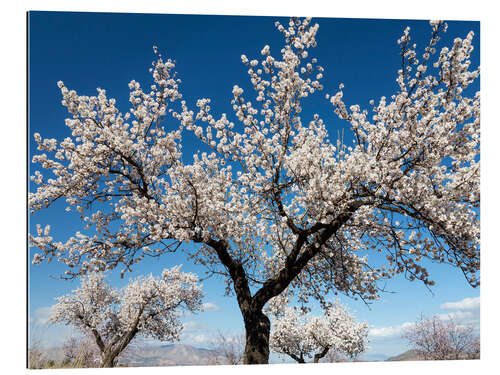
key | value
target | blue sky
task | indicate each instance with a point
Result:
(89, 50)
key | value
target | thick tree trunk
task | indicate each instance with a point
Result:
(318, 356)
(297, 358)
(258, 327)
(108, 361)
(112, 352)
(257, 324)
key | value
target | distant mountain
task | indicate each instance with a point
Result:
(170, 355)
(409, 355)
(187, 355)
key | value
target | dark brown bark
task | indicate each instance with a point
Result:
(110, 355)
(257, 327)
(257, 324)
(119, 343)
(108, 361)
(318, 356)
(298, 359)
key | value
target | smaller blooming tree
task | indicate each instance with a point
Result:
(80, 351)
(231, 349)
(300, 336)
(147, 306)
(437, 339)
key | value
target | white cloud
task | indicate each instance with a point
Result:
(45, 334)
(194, 333)
(459, 315)
(209, 306)
(199, 339)
(467, 304)
(193, 326)
(391, 331)
(466, 311)
(387, 340)
(41, 315)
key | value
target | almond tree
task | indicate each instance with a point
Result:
(437, 339)
(147, 306)
(80, 351)
(229, 347)
(300, 336)
(269, 201)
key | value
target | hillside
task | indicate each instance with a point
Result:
(409, 355)
(170, 355)
(187, 355)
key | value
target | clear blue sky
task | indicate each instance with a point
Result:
(90, 50)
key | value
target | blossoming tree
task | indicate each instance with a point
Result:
(269, 201)
(443, 339)
(300, 336)
(80, 351)
(147, 306)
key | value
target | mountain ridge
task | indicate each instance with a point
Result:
(179, 354)
(409, 355)
(170, 355)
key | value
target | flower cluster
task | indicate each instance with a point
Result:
(417, 159)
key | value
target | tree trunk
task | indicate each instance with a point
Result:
(257, 324)
(108, 361)
(318, 356)
(258, 327)
(112, 352)
(298, 359)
